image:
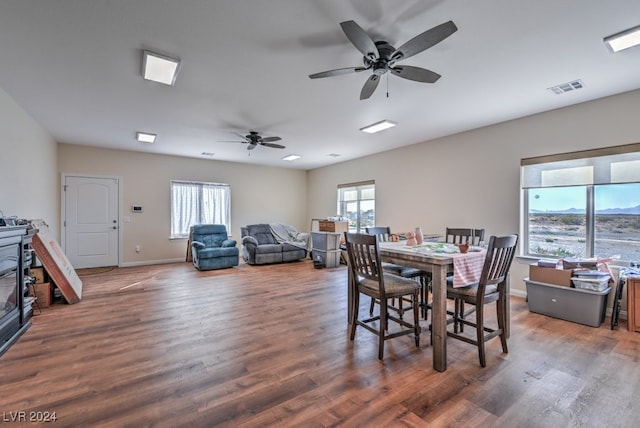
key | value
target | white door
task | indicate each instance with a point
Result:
(91, 221)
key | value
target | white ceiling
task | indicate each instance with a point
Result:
(74, 65)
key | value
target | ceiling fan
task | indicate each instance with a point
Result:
(380, 57)
(253, 139)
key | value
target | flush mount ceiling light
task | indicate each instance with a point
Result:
(623, 40)
(291, 157)
(378, 126)
(159, 68)
(145, 137)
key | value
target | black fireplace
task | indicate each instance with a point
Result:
(14, 319)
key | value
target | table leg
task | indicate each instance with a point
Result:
(349, 295)
(507, 309)
(439, 318)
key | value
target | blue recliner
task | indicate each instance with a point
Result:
(211, 247)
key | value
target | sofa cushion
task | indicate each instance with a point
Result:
(208, 253)
(268, 248)
(262, 233)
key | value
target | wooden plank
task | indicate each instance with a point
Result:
(56, 263)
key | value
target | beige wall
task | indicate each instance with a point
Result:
(464, 179)
(472, 178)
(258, 194)
(27, 166)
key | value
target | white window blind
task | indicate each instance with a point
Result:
(199, 203)
(612, 165)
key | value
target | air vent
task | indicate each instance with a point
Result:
(567, 87)
(207, 154)
(334, 155)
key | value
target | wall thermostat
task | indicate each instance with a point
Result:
(137, 208)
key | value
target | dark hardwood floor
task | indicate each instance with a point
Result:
(170, 346)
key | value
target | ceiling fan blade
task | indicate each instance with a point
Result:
(425, 40)
(272, 145)
(231, 141)
(337, 72)
(251, 146)
(415, 73)
(270, 139)
(369, 86)
(359, 38)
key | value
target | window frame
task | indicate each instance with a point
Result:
(201, 186)
(602, 163)
(359, 188)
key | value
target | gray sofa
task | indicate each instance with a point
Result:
(272, 243)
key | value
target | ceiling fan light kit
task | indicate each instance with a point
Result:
(254, 139)
(381, 57)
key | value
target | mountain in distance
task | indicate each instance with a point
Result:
(620, 211)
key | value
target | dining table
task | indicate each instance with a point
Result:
(440, 260)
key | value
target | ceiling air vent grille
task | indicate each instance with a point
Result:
(567, 87)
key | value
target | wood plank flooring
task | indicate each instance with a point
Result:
(257, 346)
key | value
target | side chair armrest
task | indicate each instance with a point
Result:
(197, 244)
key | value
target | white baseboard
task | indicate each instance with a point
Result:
(151, 262)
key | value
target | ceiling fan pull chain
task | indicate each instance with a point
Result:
(387, 85)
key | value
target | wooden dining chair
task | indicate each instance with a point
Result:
(492, 287)
(453, 235)
(461, 235)
(370, 280)
(384, 235)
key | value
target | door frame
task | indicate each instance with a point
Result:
(63, 227)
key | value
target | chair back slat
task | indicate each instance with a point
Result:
(382, 232)
(364, 260)
(457, 235)
(500, 254)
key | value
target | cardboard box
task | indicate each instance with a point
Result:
(42, 294)
(38, 273)
(547, 275)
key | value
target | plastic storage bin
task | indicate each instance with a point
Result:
(571, 304)
(325, 241)
(330, 258)
(593, 284)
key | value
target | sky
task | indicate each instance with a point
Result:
(563, 198)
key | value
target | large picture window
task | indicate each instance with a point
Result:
(584, 204)
(357, 203)
(199, 203)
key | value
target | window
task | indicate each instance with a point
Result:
(197, 203)
(356, 202)
(584, 204)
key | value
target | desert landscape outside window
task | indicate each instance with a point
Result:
(559, 221)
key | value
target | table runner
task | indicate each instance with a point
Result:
(467, 268)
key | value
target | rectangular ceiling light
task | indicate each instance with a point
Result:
(378, 126)
(145, 137)
(160, 68)
(624, 40)
(291, 157)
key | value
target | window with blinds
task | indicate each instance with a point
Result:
(582, 204)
